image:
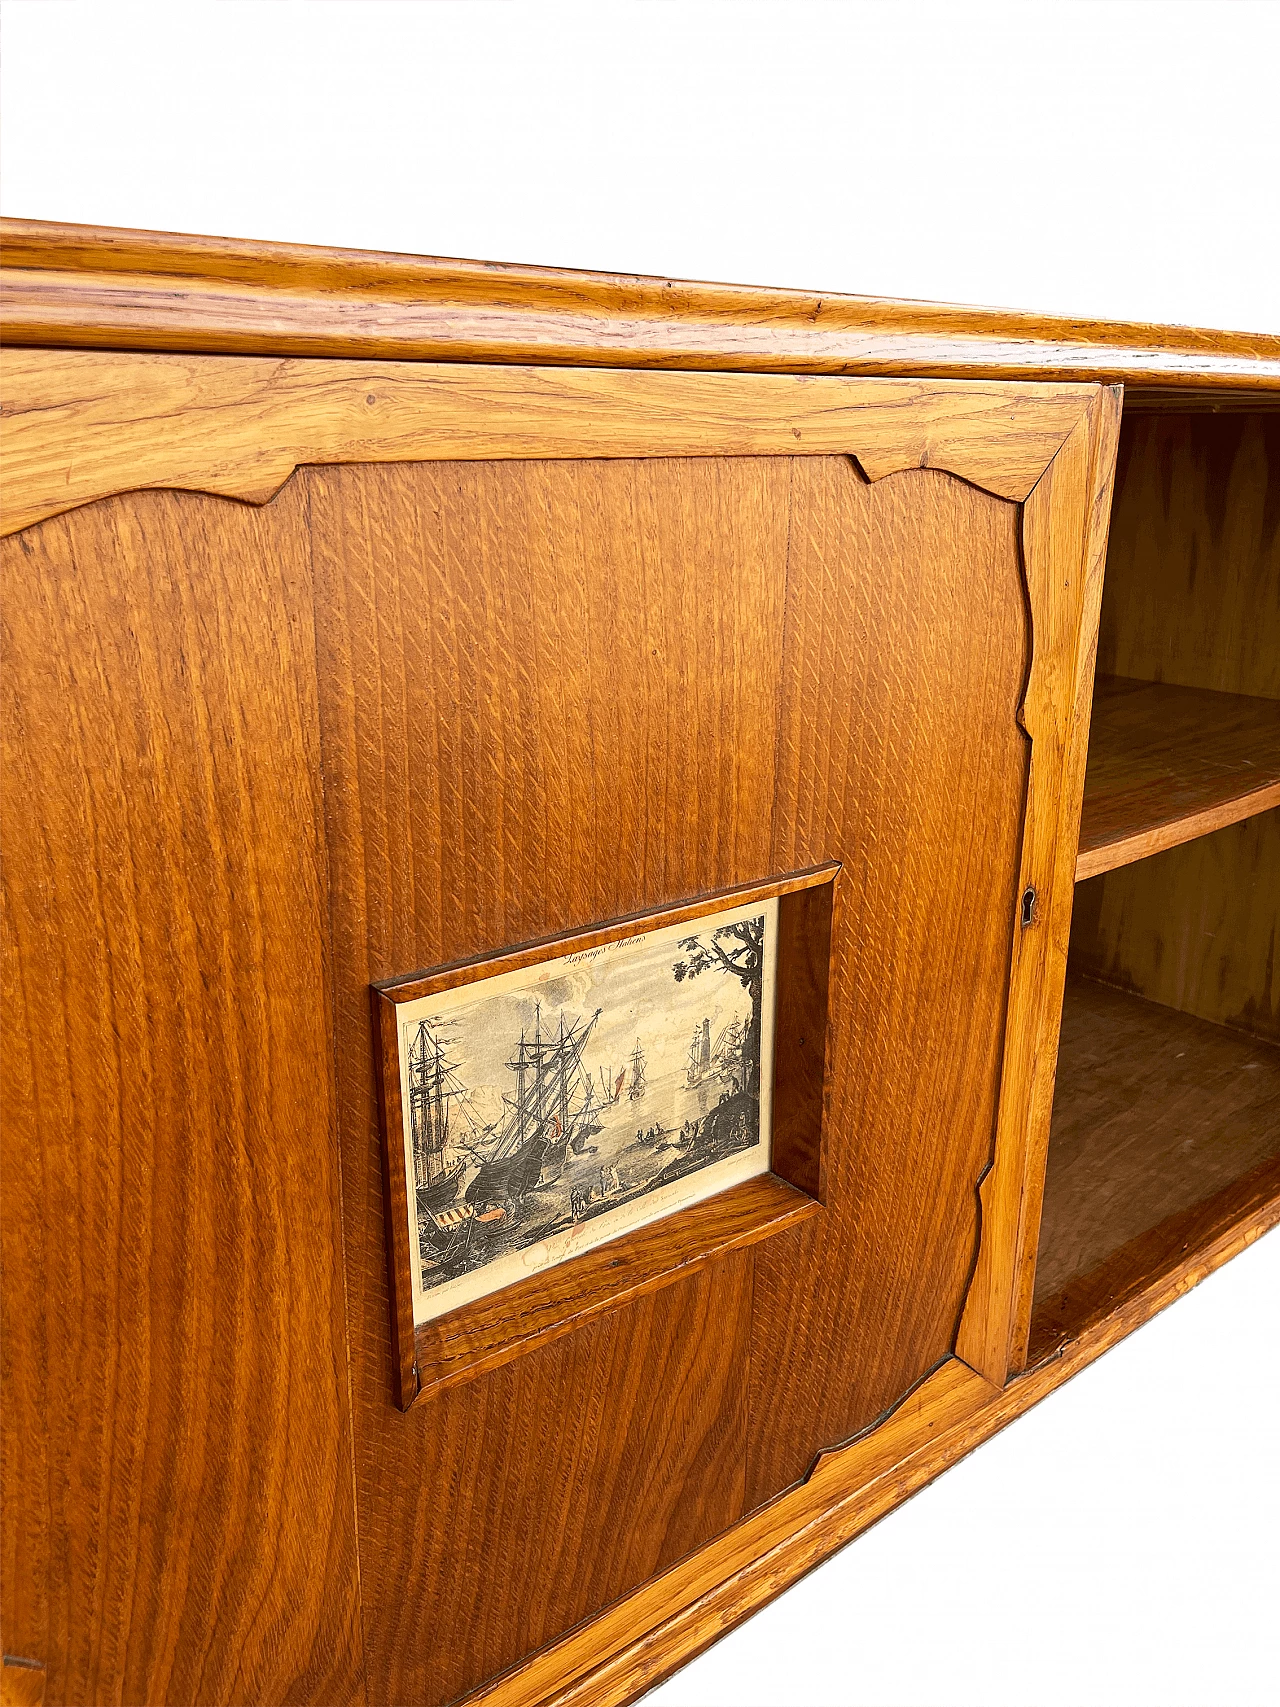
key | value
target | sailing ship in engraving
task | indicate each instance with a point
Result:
(700, 1053)
(521, 1127)
(723, 1058)
(531, 1147)
(611, 1088)
(438, 1165)
(638, 1085)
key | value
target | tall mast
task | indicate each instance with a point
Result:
(442, 1122)
(564, 1085)
(520, 1090)
(539, 1089)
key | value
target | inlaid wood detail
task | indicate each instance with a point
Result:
(511, 1321)
(489, 700)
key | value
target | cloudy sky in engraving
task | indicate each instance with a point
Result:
(631, 982)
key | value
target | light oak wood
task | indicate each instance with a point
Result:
(135, 290)
(1155, 1112)
(239, 426)
(1197, 928)
(1193, 569)
(1090, 1298)
(1064, 541)
(1168, 764)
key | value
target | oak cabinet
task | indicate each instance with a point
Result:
(326, 663)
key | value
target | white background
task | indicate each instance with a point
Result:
(1118, 1547)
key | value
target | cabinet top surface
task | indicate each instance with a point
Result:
(109, 288)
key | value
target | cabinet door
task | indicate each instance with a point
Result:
(503, 653)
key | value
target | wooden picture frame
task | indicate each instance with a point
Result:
(455, 1344)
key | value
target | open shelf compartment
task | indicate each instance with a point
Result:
(1164, 1147)
(1169, 763)
(1166, 1130)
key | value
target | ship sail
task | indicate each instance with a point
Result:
(541, 1117)
(638, 1086)
(585, 1124)
(726, 1052)
(438, 1161)
(699, 1053)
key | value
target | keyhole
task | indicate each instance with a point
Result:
(1028, 905)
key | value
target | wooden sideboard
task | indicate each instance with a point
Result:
(366, 615)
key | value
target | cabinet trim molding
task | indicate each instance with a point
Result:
(616, 1657)
(82, 425)
(1064, 539)
(108, 288)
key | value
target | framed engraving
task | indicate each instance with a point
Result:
(548, 1109)
(545, 1102)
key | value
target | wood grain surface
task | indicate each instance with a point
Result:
(1064, 546)
(390, 992)
(134, 290)
(179, 1523)
(1193, 568)
(1197, 928)
(462, 705)
(1125, 1273)
(548, 697)
(616, 1658)
(807, 920)
(509, 1323)
(1155, 1112)
(82, 424)
(21, 1682)
(1168, 764)
(924, 809)
(634, 1644)
(489, 699)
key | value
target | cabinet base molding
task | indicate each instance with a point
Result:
(614, 1659)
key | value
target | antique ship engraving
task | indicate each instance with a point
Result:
(550, 1109)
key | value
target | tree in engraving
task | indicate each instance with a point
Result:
(738, 950)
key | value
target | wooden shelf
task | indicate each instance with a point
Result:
(1166, 1129)
(1168, 764)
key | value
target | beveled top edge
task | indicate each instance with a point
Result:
(110, 287)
